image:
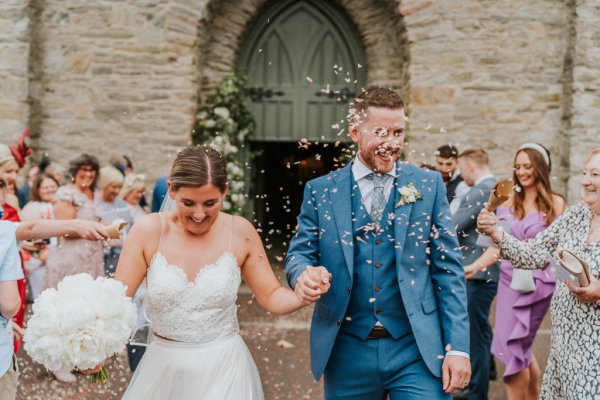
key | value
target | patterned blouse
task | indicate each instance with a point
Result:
(575, 345)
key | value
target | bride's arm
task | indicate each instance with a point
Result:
(132, 266)
(258, 274)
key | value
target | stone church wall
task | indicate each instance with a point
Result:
(121, 77)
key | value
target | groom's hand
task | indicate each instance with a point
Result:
(312, 283)
(456, 373)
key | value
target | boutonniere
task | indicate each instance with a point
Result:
(408, 194)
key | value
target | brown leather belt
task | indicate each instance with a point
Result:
(378, 332)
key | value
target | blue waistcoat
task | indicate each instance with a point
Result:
(375, 294)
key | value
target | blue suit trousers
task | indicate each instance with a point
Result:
(372, 369)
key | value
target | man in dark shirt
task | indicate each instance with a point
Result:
(446, 163)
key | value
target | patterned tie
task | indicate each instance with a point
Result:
(378, 201)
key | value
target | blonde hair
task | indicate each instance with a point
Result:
(109, 175)
(132, 182)
(591, 154)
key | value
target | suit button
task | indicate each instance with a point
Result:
(377, 288)
(377, 241)
(377, 312)
(377, 265)
(339, 322)
(349, 290)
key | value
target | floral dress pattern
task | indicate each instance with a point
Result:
(74, 256)
(573, 371)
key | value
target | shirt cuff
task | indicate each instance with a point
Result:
(458, 353)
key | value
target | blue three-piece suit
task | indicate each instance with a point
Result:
(406, 275)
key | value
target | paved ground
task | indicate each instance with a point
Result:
(284, 371)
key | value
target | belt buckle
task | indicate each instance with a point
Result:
(378, 332)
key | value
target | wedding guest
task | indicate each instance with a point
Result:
(57, 171)
(11, 273)
(574, 347)
(446, 162)
(110, 183)
(132, 192)
(10, 304)
(474, 165)
(159, 193)
(519, 314)
(12, 159)
(23, 192)
(73, 255)
(42, 194)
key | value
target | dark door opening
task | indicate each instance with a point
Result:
(278, 180)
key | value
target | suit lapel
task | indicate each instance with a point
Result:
(402, 213)
(340, 194)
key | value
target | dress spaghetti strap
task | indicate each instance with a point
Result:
(162, 229)
(230, 228)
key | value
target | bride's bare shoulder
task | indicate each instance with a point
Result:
(147, 226)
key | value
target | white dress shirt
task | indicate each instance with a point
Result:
(366, 186)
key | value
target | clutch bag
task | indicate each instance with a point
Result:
(575, 266)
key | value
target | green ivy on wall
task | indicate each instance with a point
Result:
(226, 123)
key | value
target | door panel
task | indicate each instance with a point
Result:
(292, 41)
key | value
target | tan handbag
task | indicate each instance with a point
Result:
(575, 266)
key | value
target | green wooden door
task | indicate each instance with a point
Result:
(305, 63)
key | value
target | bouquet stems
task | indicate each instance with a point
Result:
(100, 376)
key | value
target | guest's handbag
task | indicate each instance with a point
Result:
(573, 265)
(522, 280)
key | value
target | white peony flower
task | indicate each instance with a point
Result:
(80, 323)
(222, 112)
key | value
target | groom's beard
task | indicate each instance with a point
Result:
(383, 159)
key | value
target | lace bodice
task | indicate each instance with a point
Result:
(198, 311)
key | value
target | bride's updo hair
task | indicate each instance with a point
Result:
(197, 166)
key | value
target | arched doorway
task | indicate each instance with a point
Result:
(305, 62)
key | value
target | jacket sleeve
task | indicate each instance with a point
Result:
(304, 246)
(448, 275)
(465, 218)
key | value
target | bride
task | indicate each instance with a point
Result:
(193, 259)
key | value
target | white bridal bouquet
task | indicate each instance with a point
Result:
(80, 324)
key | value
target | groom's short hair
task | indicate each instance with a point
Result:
(376, 96)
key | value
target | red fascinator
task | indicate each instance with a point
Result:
(21, 151)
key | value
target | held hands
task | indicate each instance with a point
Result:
(588, 294)
(456, 373)
(312, 284)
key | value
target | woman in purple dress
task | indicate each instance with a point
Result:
(519, 313)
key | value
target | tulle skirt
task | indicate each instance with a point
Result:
(221, 370)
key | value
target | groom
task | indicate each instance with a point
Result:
(394, 321)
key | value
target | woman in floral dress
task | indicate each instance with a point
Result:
(573, 371)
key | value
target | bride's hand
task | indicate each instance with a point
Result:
(90, 371)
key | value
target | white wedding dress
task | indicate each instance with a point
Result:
(206, 357)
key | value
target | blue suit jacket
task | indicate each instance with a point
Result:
(428, 263)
